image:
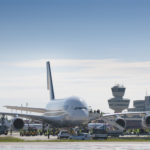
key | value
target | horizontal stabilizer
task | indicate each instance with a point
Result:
(31, 109)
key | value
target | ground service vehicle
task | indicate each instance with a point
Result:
(63, 134)
(3, 129)
(115, 133)
(29, 132)
(99, 134)
(81, 136)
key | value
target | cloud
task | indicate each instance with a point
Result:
(90, 79)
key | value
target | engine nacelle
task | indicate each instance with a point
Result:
(121, 122)
(18, 123)
(146, 121)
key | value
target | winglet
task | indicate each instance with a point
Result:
(50, 81)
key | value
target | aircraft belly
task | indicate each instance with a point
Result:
(63, 120)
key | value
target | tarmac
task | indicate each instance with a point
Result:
(75, 146)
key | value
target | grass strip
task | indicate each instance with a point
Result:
(13, 139)
(10, 139)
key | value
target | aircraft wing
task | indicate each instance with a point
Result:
(34, 117)
(126, 114)
(30, 109)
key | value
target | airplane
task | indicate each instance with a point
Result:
(68, 112)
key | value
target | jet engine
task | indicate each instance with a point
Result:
(121, 122)
(146, 121)
(18, 123)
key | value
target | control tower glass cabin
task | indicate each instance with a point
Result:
(118, 103)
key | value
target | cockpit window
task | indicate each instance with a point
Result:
(77, 108)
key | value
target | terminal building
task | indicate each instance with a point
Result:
(141, 105)
(118, 103)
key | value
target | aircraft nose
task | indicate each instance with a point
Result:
(81, 116)
(84, 115)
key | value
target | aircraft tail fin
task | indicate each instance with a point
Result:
(50, 81)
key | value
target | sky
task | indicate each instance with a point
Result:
(92, 45)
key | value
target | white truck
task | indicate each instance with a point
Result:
(99, 134)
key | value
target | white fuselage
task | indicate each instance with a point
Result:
(67, 112)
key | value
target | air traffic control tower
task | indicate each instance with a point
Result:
(118, 103)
